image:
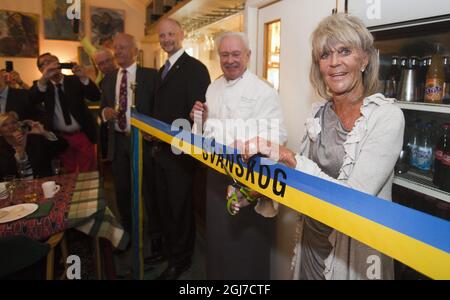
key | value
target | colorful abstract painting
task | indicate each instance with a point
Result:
(19, 34)
(59, 20)
(105, 23)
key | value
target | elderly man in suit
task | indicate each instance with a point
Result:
(182, 81)
(66, 112)
(115, 109)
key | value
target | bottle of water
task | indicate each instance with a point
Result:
(424, 149)
(413, 143)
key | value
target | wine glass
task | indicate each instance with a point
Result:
(10, 185)
(56, 166)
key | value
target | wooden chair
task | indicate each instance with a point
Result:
(53, 241)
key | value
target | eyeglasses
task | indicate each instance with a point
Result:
(45, 62)
(104, 62)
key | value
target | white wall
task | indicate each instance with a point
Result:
(381, 12)
(67, 50)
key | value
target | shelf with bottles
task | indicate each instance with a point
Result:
(421, 165)
(415, 65)
(427, 107)
(159, 9)
(421, 183)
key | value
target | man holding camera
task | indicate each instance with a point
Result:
(66, 112)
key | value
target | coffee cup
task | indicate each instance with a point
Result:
(50, 188)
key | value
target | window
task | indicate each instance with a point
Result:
(272, 53)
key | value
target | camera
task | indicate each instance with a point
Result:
(66, 66)
(9, 67)
(24, 127)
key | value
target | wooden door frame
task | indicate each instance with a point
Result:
(252, 8)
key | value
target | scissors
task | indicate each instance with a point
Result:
(233, 198)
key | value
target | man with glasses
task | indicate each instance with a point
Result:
(66, 112)
(105, 62)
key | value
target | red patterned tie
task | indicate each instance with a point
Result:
(123, 107)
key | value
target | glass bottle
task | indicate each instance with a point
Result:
(445, 169)
(444, 143)
(413, 142)
(435, 79)
(446, 88)
(403, 62)
(421, 77)
(390, 90)
(424, 149)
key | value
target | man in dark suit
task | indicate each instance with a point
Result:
(106, 63)
(115, 109)
(16, 100)
(66, 112)
(182, 81)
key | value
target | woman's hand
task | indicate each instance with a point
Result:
(19, 142)
(36, 127)
(268, 149)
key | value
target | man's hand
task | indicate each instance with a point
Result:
(80, 72)
(14, 77)
(199, 108)
(110, 114)
(48, 72)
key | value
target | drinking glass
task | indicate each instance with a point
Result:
(56, 167)
(30, 189)
(10, 186)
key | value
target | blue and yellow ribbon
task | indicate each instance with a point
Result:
(416, 239)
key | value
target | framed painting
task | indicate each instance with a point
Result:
(60, 22)
(19, 34)
(105, 23)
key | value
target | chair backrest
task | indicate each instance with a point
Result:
(19, 252)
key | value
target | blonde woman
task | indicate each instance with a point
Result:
(26, 148)
(352, 138)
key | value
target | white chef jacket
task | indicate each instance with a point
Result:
(242, 109)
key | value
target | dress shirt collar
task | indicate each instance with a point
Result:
(173, 59)
(61, 82)
(130, 70)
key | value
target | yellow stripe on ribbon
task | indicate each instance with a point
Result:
(423, 257)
